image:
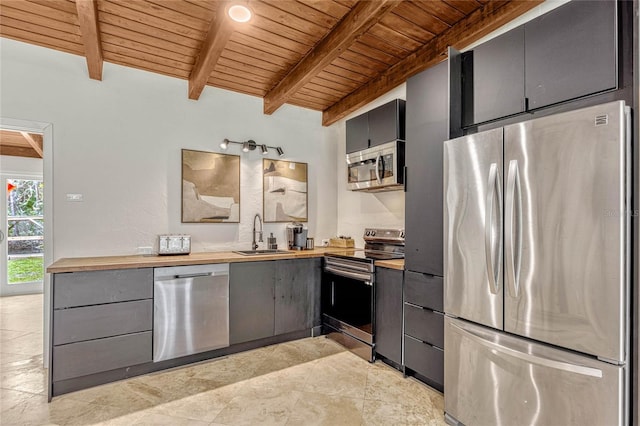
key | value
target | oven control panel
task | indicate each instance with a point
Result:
(384, 235)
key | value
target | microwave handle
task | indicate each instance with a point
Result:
(378, 159)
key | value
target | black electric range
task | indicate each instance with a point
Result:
(348, 290)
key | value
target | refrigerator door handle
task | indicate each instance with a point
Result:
(493, 255)
(530, 358)
(513, 228)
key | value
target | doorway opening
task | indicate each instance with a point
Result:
(21, 213)
(26, 239)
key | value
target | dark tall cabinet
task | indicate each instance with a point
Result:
(427, 128)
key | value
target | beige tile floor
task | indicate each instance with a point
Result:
(311, 381)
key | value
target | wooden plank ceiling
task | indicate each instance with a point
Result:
(328, 55)
(20, 144)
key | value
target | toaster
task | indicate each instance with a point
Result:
(174, 244)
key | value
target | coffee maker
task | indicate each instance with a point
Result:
(296, 236)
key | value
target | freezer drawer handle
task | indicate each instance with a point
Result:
(533, 359)
(492, 242)
(513, 228)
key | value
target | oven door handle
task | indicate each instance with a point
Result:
(355, 275)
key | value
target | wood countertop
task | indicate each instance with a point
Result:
(76, 264)
(391, 264)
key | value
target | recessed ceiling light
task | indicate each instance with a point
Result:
(239, 13)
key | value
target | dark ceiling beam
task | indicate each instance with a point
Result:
(89, 29)
(18, 151)
(491, 16)
(218, 35)
(358, 21)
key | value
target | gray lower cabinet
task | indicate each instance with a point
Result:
(251, 301)
(94, 322)
(424, 328)
(273, 297)
(296, 290)
(94, 356)
(101, 321)
(97, 287)
(388, 314)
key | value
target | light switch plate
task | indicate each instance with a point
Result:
(75, 197)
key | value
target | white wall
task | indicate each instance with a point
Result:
(118, 143)
(26, 165)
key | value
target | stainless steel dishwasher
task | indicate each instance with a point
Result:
(191, 310)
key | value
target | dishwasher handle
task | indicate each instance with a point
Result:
(195, 275)
(203, 274)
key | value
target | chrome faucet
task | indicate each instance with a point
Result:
(254, 246)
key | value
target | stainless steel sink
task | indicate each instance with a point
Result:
(264, 251)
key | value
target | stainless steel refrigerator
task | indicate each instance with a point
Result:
(536, 225)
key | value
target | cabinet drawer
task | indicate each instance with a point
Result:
(424, 324)
(423, 290)
(94, 356)
(424, 359)
(94, 322)
(96, 287)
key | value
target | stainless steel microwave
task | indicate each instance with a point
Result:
(379, 168)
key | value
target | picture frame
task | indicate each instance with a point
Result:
(285, 191)
(210, 187)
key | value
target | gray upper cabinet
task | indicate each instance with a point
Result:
(295, 290)
(567, 53)
(251, 294)
(383, 124)
(386, 123)
(571, 52)
(427, 128)
(358, 133)
(496, 88)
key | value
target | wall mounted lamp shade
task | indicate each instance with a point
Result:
(239, 13)
(251, 145)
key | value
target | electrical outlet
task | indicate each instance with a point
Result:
(145, 251)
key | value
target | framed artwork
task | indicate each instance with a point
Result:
(210, 187)
(284, 189)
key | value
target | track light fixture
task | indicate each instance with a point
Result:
(251, 145)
